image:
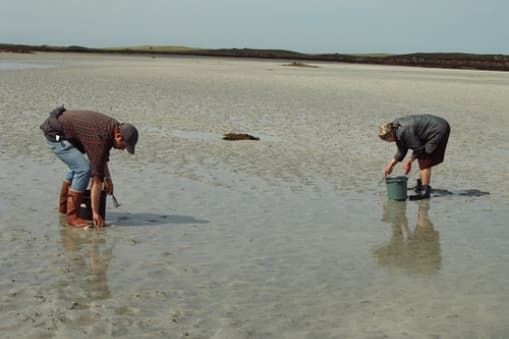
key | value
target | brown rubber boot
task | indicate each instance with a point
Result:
(73, 208)
(62, 204)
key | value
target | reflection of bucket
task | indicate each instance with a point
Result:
(86, 206)
(396, 187)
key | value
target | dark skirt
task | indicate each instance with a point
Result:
(437, 156)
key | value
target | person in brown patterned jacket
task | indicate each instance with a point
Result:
(73, 134)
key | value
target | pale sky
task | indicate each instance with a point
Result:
(319, 26)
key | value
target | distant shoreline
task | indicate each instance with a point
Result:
(487, 62)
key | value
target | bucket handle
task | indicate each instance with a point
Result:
(383, 179)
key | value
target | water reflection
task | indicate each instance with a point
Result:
(87, 255)
(416, 251)
(7, 65)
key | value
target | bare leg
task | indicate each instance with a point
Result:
(425, 175)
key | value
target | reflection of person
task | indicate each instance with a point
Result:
(417, 251)
(71, 135)
(427, 136)
(89, 275)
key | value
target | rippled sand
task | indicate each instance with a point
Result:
(290, 236)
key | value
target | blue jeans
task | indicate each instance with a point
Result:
(78, 167)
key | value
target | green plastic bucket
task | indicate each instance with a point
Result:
(396, 187)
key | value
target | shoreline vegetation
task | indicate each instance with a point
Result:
(489, 62)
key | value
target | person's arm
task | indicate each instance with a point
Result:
(95, 197)
(399, 156)
(108, 182)
(407, 166)
(390, 166)
(402, 150)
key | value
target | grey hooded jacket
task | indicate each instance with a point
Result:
(420, 133)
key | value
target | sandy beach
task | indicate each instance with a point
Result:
(291, 236)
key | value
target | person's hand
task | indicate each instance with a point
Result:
(108, 185)
(388, 169)
(407, 166)
(98, 220)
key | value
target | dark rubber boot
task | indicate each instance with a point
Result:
(425, 193)
(418, 186)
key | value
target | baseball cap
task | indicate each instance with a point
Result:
(130, 136)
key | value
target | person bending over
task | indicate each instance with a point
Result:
(426, 135)
(73, 134)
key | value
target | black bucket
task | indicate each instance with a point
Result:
(86, 206)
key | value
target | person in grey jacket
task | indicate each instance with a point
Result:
(427, 136)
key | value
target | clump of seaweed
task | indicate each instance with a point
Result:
(239, 136)
(299, 64)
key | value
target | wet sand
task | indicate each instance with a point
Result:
(290, 236)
